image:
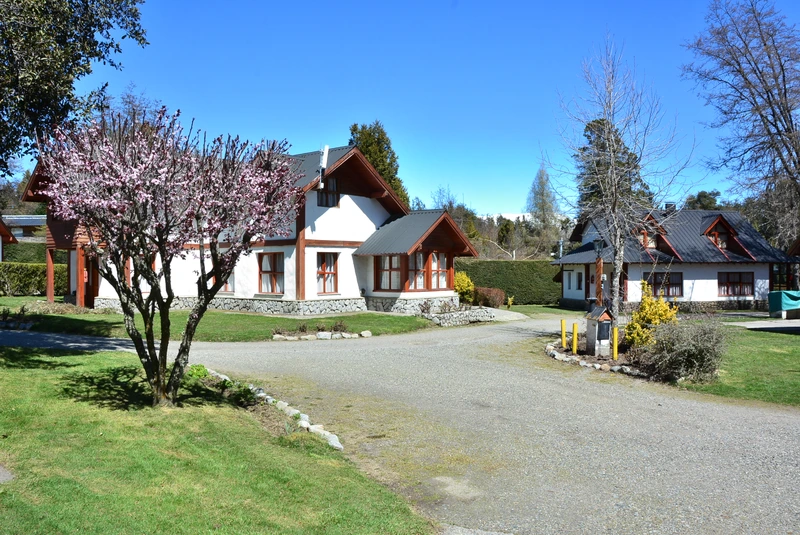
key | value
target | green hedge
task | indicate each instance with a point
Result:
(30, 279)
(30, 253)
(529, 281)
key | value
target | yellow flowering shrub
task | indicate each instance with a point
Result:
(464, 287)
(650, 314)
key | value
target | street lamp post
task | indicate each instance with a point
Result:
(598, 274)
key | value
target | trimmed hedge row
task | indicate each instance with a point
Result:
(30, 279)
(30, 253)
(529, 281)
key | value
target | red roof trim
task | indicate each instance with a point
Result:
(5, 234)
(445, 218)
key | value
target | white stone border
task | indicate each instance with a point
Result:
(322, 335)
(303, 420)
(550, 351)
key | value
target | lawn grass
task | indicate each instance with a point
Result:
(758, 365)
(217, 325)
(89, 456)
(547, 311)
(13, 302)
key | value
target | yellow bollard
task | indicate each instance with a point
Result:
(564, 334)
(574, 338)
(614, 340)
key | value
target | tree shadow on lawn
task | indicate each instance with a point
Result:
(125, 388)
(89, 325)
(21, 358)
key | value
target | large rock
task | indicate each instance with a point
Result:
(366, 334)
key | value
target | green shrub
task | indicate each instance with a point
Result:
(30, 279)
(529, 281)
(197, 371)
(489, 297)
(650, 314)
(690, 350)
(31, 253)
(463, 286)
(340, 327)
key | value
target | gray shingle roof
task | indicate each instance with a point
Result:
(308, 163)
(399, 234)
(685, 232)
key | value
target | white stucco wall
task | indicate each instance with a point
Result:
(347, 281)
(700, 281)
(245, 274)
(355, 219)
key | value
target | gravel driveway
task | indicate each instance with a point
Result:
(481, 431)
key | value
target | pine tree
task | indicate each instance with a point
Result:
(373, 141)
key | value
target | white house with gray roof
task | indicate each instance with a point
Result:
(699, 259)
(354, 246)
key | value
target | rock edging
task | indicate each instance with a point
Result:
(550, 351)
(303, 420)
(321, 335)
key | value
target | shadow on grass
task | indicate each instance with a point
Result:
(125, 388)
(44, 359)
(117, 388)
(90, 325)
(779, 330)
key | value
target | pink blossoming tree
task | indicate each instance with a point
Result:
(147, 194)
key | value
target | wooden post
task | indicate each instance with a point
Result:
(574, 338)
(598, 281)
(51, 275)
(80, 271)
(564, 334)
(614, 340)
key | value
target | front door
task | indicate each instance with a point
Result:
(92, 283)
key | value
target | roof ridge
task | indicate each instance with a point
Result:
(320, 150)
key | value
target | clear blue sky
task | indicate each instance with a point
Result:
(468, 91)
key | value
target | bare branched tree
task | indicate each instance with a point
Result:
(747, 65)
(628, 159)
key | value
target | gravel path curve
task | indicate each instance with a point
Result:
(574, 451)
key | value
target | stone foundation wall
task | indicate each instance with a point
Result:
(461, 317)
(262, 306)
(699, 307)
(412, 306)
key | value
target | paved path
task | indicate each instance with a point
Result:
(499, 439)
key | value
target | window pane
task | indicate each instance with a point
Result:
(442, 261)
(384, 262)
(395, 280)
(320, 283)
(320, 261)
(396, 262)
(385, 280)
(434, 262)
(329, 284)
(266, 283)
(442, 279)
(420, 280)
(330, 261)
(279, 283)
(265, 262)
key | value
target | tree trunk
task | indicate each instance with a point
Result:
(182, 359)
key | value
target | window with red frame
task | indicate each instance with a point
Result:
(389, 273)
(667, 284)
(438, 270)
(416, 271)
(270, 271)
(735, 283)
(326, 273)
(328, 195)
(719, 235)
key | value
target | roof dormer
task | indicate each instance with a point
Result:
(724, 237)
